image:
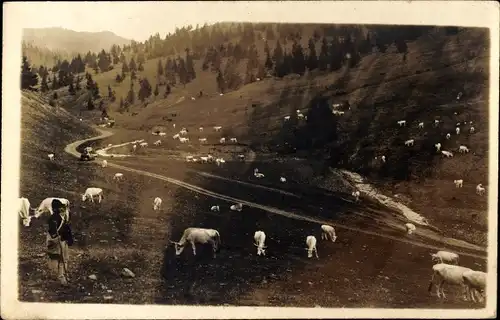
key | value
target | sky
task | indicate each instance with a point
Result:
(138, 20)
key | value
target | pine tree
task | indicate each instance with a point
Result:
(191, 74)
(312, 61)
(323, 56)
(125, 67)
(269, 62)
(77, 83)
(29, 79)
(71, 89)
(145, 90)
(160, 68)
(298, 64)
(55, 83)
(141, 67)
(132, 66)
(221, 83)
(110, 91)
(44, 86)
(131, 94)
(157, 92)
(90, 104)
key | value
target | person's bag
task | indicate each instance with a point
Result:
(53, 246)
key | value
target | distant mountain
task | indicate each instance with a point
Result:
(60, 39)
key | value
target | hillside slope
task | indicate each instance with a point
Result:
(58, 39)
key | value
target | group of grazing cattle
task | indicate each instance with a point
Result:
(447, 271)
(202, 236)
(26, 212)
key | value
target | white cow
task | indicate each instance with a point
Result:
(233, 140)
(118, 176)
(204, 159)
(287, 118)
(222, 140)
(51, 156)
(157, 142)
(189, 158)
(176, 136)
(217, 128)
(328, 231)
(447, 274)
(448, 136)
(436, 123)
(104, 163)
(283, 179)
(438, 146)
(173, 125)
(447, 154)
(311, 246)
(220, 161)
(402, 123)
(201, 129)
(480, 190)
(143, 144)
(203, 140)
(471, 130)
(134, 147)
(259, 238)
(463, 149)
(215, 208)
(236, 207)
(241, 157)
(46, 206)
(457, 130)
(91, 192)
(475, 283)
(24, 211)
(162, 134)
(421, 125)
(410, 228)
(356, 195)
(458, 183)
(157, 203)
(259, 175)
(300, 116)
(183, 140)
(409, 142)
(445, 257)
(197, 235)
(383, 159)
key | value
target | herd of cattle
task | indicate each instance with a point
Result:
(446, 271)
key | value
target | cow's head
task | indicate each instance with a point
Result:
(26, 221)
(84, 197)
(334, 238)
(435, 258)
(178, 247)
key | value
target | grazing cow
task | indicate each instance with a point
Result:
(447, 154)
(402, 123)
(410, 228)
(445, 257)
(459, 95)
(475, 284)
(204, 159)
(259, 175)
(300, 116)
(447, 274)
(259, 238)
(328, 231)
(471, 130)
(480, 190)
(222, 140)
(220, 161)
(421, 125)
(236, 207)
(241, 157)
(51, 156)
(436, 123)
(157, 142)
(91, 192)
(448, 136)
(118, 176)
(134, 147)
(183, 132)
(217, 128)
(104, 163)
(463, 149)
(438, 146)
(176, 136)
(189, 158)
(409, 142)
(203, 140)
(356, 195)
(282, 179)
(157, 203)
(215, 208)
(143, 144)
(197, 235)
(24, 211)
(311, 246)
(458, 183)
(287, 118)
(383, 159)
(162, 134)
(183, 140)
(233, 140)
(201, 129)
(457, 130)
(46, 206)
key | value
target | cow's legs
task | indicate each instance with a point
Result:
(441, 286)
(194, 248)
(214, 246)
(316, 253)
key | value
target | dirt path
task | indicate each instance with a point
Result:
(71, 149)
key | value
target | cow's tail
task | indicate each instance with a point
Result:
(431, 283)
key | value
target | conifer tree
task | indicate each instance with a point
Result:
(29, 79)
(44, 85)
(312, 61)
(156, 92)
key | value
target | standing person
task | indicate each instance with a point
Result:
(59, 237)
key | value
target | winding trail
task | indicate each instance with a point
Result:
(480, 252)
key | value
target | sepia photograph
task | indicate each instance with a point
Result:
(291, 159)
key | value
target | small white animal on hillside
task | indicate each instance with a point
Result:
(143, 144)
(220, 161)
(445, 257)
(222, 140)
(287, 118)
(51, 156)
(189, 158)
(236, 207)
(118, 176)
(300, 116)
(183, 131)
(134, 147)
(104, 163)
(203, 140)
(421, 125)
(409, 142)
(201, 129)
(217, 128)
(193, 98)
(448, 136)
(90, 193)
(457, 130)
(157, 203)
(233, 140)
(157, 142)
(176, 136)
(173, 125)
(447, 154)
(471, 130)
(328, 232)
(311, 246)
(463, 149)
(480, 190)
(204, 159)
(458, 183)
(436, 123)
(438, 146)
(215, 208)
(356, 195)
(259, 175)
(402, 123)
(162, 134)
(183, 140)
(410, 228)
(283, 179)
(241, 157)
(46, 206)
(260, 238)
